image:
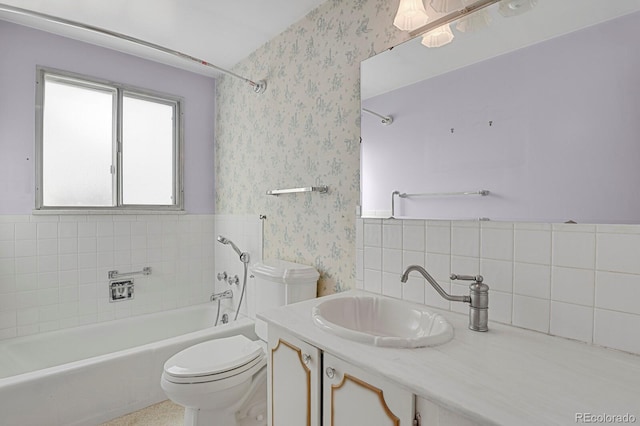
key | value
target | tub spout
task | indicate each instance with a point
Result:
(224, 295)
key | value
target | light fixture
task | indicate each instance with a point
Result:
(411, 15)
(474, 22)
(438, 37)
(509, 8)
(446, 6)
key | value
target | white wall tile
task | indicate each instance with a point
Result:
(618, 292)
(574, 249)
(465, 265)
(391, 285)
(7, 249)
(392, 235)
(531, 313)
(413, 289)
(373, 281)
(617, 330)
(438, 237)
(24, 248)
(413, 236)
(7, 231)
(532, 246)
(439, 265)
(47, 230)
(572, 321)
(532, 280)
(68, 230)
(373, 258)
(465, 240)
(572, 285)
(497, 274)
(496, 243)
(359, 265)
(392, 261)
(373, 234)
(500, 307)
(431, 296)
(47, 247)
(25, 231)
(618, 252)
(87, 229)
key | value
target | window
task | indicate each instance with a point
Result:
(101, 145)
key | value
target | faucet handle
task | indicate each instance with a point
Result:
(476, 278)
(222, 276)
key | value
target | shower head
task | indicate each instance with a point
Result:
(244, 257)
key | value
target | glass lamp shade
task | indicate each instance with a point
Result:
(509, 8)
(446, 6)
(438, 37)
(474, 22)
(411, 15)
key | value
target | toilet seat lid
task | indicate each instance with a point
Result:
(213, 357)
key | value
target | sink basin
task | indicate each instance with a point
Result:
(381, 321)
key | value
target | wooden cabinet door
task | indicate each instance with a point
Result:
(353, 397)
(293, 381)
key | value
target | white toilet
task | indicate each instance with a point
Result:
(223, 382)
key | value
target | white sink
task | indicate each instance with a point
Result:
(382, 321)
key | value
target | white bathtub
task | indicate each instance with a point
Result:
(90, 374)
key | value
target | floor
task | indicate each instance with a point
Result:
(165, 413)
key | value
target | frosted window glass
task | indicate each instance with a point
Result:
(77, 146)
(147, 152)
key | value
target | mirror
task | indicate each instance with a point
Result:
(541, 110)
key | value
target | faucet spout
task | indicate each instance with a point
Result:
(434, 284)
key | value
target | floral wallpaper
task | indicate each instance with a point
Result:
(303, 131)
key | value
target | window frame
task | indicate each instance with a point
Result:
(120, 90)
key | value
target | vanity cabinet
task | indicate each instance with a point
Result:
(294, 369)
(351, 396)
(302, 379)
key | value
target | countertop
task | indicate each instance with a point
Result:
(507, 376)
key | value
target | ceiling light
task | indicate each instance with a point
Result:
(508, 8)
(446, 6)
(474, 22)
(438, 37)
(411, 15)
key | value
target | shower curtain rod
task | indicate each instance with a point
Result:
(258, 86)
(386, 120)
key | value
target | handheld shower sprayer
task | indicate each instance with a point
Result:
(244, 256)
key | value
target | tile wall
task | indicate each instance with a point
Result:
(576, 281)
(53, 269)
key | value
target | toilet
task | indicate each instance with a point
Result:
(223, 382)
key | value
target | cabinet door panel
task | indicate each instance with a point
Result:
(294, 369)
(353, 397)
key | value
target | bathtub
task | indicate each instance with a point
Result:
(90, 374)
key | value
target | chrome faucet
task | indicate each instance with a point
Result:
(478, 298)
(224, 295)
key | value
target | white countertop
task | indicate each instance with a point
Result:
(507, 376)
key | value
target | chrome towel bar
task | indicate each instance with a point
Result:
(321, 189)
(115, 274)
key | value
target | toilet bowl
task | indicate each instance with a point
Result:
(223, 382)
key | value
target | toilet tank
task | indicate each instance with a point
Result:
(277, 283)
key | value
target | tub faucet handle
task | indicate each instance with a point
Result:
(222, 276)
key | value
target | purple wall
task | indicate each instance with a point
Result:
(564, 143)
(22, 48)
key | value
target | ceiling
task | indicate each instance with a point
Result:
(222, 32)
(412, 62)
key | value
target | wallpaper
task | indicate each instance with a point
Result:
(303, 131)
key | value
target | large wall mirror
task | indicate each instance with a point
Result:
(540, 110)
